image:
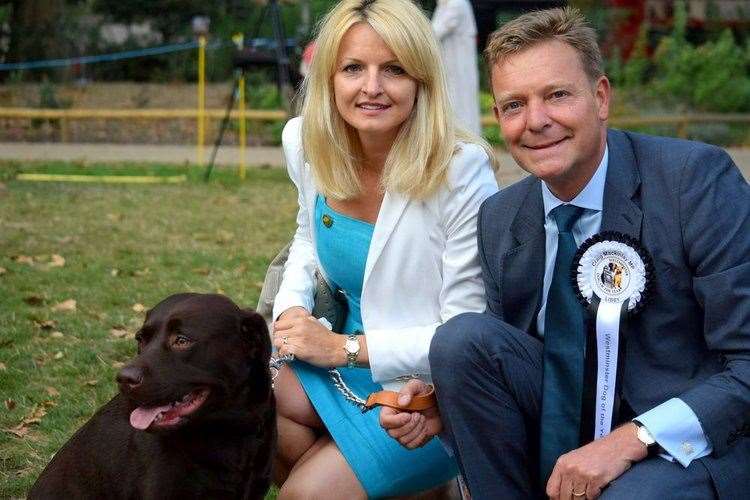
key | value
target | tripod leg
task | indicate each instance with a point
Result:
(282, 60)
(224, 123)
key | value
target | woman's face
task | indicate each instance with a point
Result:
(373, 93)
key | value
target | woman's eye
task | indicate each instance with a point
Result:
(351, 68)
(396, 70)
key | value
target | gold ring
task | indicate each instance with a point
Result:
(581, 494)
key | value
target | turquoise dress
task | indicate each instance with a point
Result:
(383, 467)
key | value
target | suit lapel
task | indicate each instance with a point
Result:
(621, 211)
(523, 263)
(391, 210)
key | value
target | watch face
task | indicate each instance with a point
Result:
(645, 436)
(351, 346)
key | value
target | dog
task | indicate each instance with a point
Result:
(195, 416)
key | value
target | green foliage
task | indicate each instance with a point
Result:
(634, 72)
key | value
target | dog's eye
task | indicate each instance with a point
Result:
(181, 342)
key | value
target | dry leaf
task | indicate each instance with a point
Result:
(114, 217)
(3, 367)
(114, 272)
(24, 259)
(47, 324)
(57, 261)
(117, 365)
(10, 404)
(202, 270)
(119, 332)
(19, 431)
(92, 383)
(139, 308)
(223, 236)
(52, 392)
(220, 291)
(34, 300)
(56, 335)
(141, 272)
(59, 355)
(3, 271)
(65, 305)
(36, 415)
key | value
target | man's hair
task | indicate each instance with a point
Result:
(418, 161)
(567, 25)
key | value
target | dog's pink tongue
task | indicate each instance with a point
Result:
(142, 417)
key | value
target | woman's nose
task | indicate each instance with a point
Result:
(372, 85)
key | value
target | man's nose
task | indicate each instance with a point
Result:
(130, 377)
(537, 118)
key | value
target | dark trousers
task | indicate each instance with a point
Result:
(488, 380)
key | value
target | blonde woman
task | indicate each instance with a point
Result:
(389, 190)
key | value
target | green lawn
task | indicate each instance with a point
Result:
(113, 249)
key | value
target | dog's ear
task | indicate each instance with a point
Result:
(253, 322)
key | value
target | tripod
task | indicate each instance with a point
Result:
(244, 59)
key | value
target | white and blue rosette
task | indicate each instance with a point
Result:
(612, 274)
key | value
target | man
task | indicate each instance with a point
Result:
(506, 379)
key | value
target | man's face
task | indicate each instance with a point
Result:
(553, 118)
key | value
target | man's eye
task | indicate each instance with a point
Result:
(558, 94)
(511, 106)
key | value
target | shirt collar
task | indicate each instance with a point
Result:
(590, 197)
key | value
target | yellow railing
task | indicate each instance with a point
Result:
(65, 115)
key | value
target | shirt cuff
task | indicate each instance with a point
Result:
(676, 428)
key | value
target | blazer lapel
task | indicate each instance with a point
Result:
(523, 263)
(391, 209)
(621, 211)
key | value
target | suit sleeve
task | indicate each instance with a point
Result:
(715, 221)
(492, 289)
(297, 284)
(398, 352)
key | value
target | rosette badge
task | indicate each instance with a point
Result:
(612, 275)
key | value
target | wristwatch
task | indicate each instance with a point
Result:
(644, 436)
(351, 348)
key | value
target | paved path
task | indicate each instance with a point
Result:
(228, 155)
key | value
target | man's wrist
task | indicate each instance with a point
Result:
(635, 450)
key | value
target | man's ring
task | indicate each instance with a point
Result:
(581, 494)
(285, 340)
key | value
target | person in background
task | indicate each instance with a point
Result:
(454, 26)
(512, 383)
(388, 190)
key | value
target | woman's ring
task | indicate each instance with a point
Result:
(285, 340)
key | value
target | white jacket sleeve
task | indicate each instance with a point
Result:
(446, 18)
(297, 284)
(397, 352)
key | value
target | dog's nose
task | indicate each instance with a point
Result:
(130, 377)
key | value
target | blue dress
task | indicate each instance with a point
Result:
(382, 466)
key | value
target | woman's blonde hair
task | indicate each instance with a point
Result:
(417, 164)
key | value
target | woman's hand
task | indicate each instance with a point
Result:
(307, 339)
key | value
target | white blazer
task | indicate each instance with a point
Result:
(422, 266)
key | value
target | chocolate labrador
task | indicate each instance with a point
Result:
(195, 416)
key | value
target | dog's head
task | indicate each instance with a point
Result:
(200, 358)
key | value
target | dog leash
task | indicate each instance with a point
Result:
(380, 398)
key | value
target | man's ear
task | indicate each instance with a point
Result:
(603, 93)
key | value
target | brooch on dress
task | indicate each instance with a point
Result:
(327, 220)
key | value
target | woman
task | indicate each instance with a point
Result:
(388, 195)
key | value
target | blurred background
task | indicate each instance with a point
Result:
(678, 67)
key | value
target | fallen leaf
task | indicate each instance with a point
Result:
(241, 269)
(114, 217)
(52, 391)
(220, 291)
(114, 272)
(141, 272)
(139, 308)
(24, 259)
(92, 383)
(3, 367)
(223, 236)
(56, 335)
(57, 261)
(3, 271)
(117, 365)
(34, 417)
(19, 431)
(34, 300)
(65, 305)
(202, 270)
(119, 332)
(47, 324)
(59, 355)
(10, 404)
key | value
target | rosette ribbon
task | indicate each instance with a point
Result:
(612, 275)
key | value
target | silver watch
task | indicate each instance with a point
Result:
(351, 348)
(643, 435)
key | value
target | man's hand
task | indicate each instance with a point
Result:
(411, 429)
(584, 472)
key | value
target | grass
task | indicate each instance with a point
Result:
(122, 246)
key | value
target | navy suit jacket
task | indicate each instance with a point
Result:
(688, 205)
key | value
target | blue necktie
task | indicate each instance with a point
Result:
(564, 349)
